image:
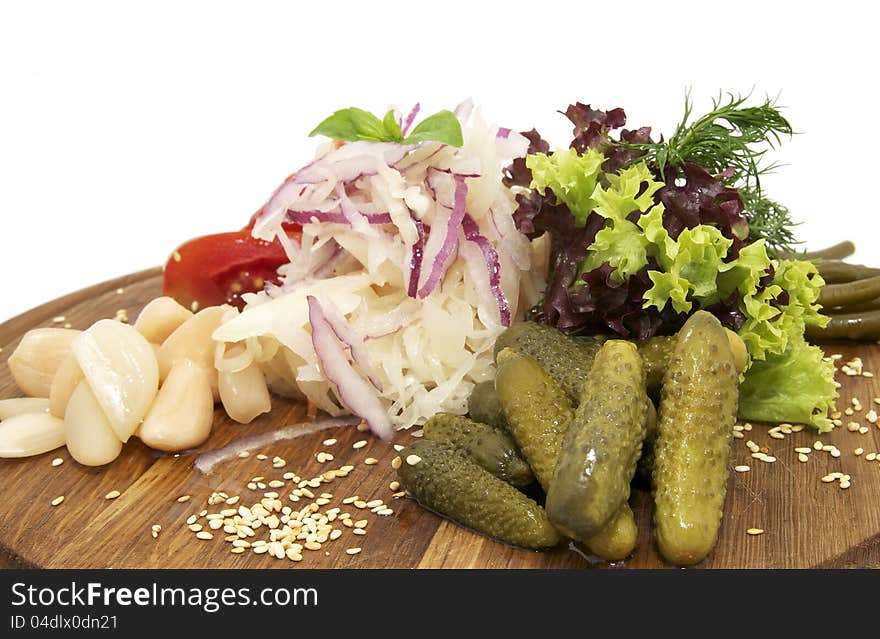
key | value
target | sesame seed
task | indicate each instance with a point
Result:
(394, 485)
(395, 463)
(360, 504)
(329, 442)
(835, 453)
(191, 519)
(871, 416)
(747, 426)
(867, 374)
(738, 435)
(858, 451)
(195, 527)
(361, 523)
(57, 500)
(243, 454)
(802, 458)
(156, 528)
(852, 427)
(845, 484)
(312, 545)
(359, 531)
(385, 512)
(262, 456)
(350, 500)
(371, 461)
(863, 430)
(58, 319)
(741, 469)
(236, 550)
(755, 531)
(818, 445)
(183, 498)
(113, 494)
(353, 551)
(57, 461)
(752, 446)
(375, 502)
(335, 534)
(737, 428)
(871, 456)
(803, 449)
(776, 435)
(768, 458)
(204, 534)
(412, 460)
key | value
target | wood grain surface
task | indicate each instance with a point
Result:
(807, 523)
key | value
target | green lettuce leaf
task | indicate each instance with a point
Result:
(570, 176)
(796, 386)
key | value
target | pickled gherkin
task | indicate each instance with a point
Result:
(562, 359)
(645, 465)
(483, 405)
(618, 538)
(536, 409)
(443, 478)
(697, 413)
(490, 447)
(602, 445)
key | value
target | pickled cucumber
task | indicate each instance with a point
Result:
(645, 465)
(602, 445)
(490, 447)
(655, 353)
(483, 405)
(618, 538)
(536, 409)
(697, 414)
(566, 362)
(444, 479)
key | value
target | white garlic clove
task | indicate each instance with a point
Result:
(68, 375)
(244, 393)
(88, 433)
(183, 412)
(192, 340)
(20, 405)
(29, 434)
(161, 317)
(121, 369)
(38, 356)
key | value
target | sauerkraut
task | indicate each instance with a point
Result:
(411, 263)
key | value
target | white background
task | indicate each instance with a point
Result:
(126, 128)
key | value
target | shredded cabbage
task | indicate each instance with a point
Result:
(376, 216)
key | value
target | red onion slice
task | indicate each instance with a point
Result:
(472, 233)
(336, 217)
(349, 338)
(450, 240)
(410, 118)
(415, 262)
(355, 392)
(206, 462)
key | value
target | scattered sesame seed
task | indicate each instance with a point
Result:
(752, 446)
(371, 461)
(191, 520)
(747, 426)
(58, 319)
(737, 428)
(184, 498)
(204, 534)
(818, 445)
(853, 427)
(802, 458)
(412, 460)
(858, 451)
(741, 469)
(863, 430)
(394, 485)
(243, 454)
(384, 512)
(57, 461)
(738, 435)
(845, 483)
(195, 527)
(803, 449)
(871, 456)
(776, 435)
(359, 444)
(329, 442)
(835, 453)
(262, 456)
(353, 551)
(871, 416)
(395, 463)
(57, 500)
(867, 374)
(113, 494)
(755, 531)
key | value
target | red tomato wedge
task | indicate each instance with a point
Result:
(220, 268)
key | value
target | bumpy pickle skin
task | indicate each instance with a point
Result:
(443, 478)
(602, 445)
(537, 411)
(484, 407)
(645, 465)
(695, 427)
(565, 361)
(492, 448)
(618, 538)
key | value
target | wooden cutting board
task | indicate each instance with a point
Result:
(807, 523)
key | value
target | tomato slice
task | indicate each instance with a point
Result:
(220, 268)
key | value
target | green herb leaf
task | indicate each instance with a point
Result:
(352, 124)
(443, 127)
(392, 128)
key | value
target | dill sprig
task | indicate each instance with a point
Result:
(730, 141)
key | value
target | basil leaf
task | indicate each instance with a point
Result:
(443, 126)
(392, 128)
(352, 124)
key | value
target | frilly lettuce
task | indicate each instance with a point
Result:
(795, 386)
(571, 176)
